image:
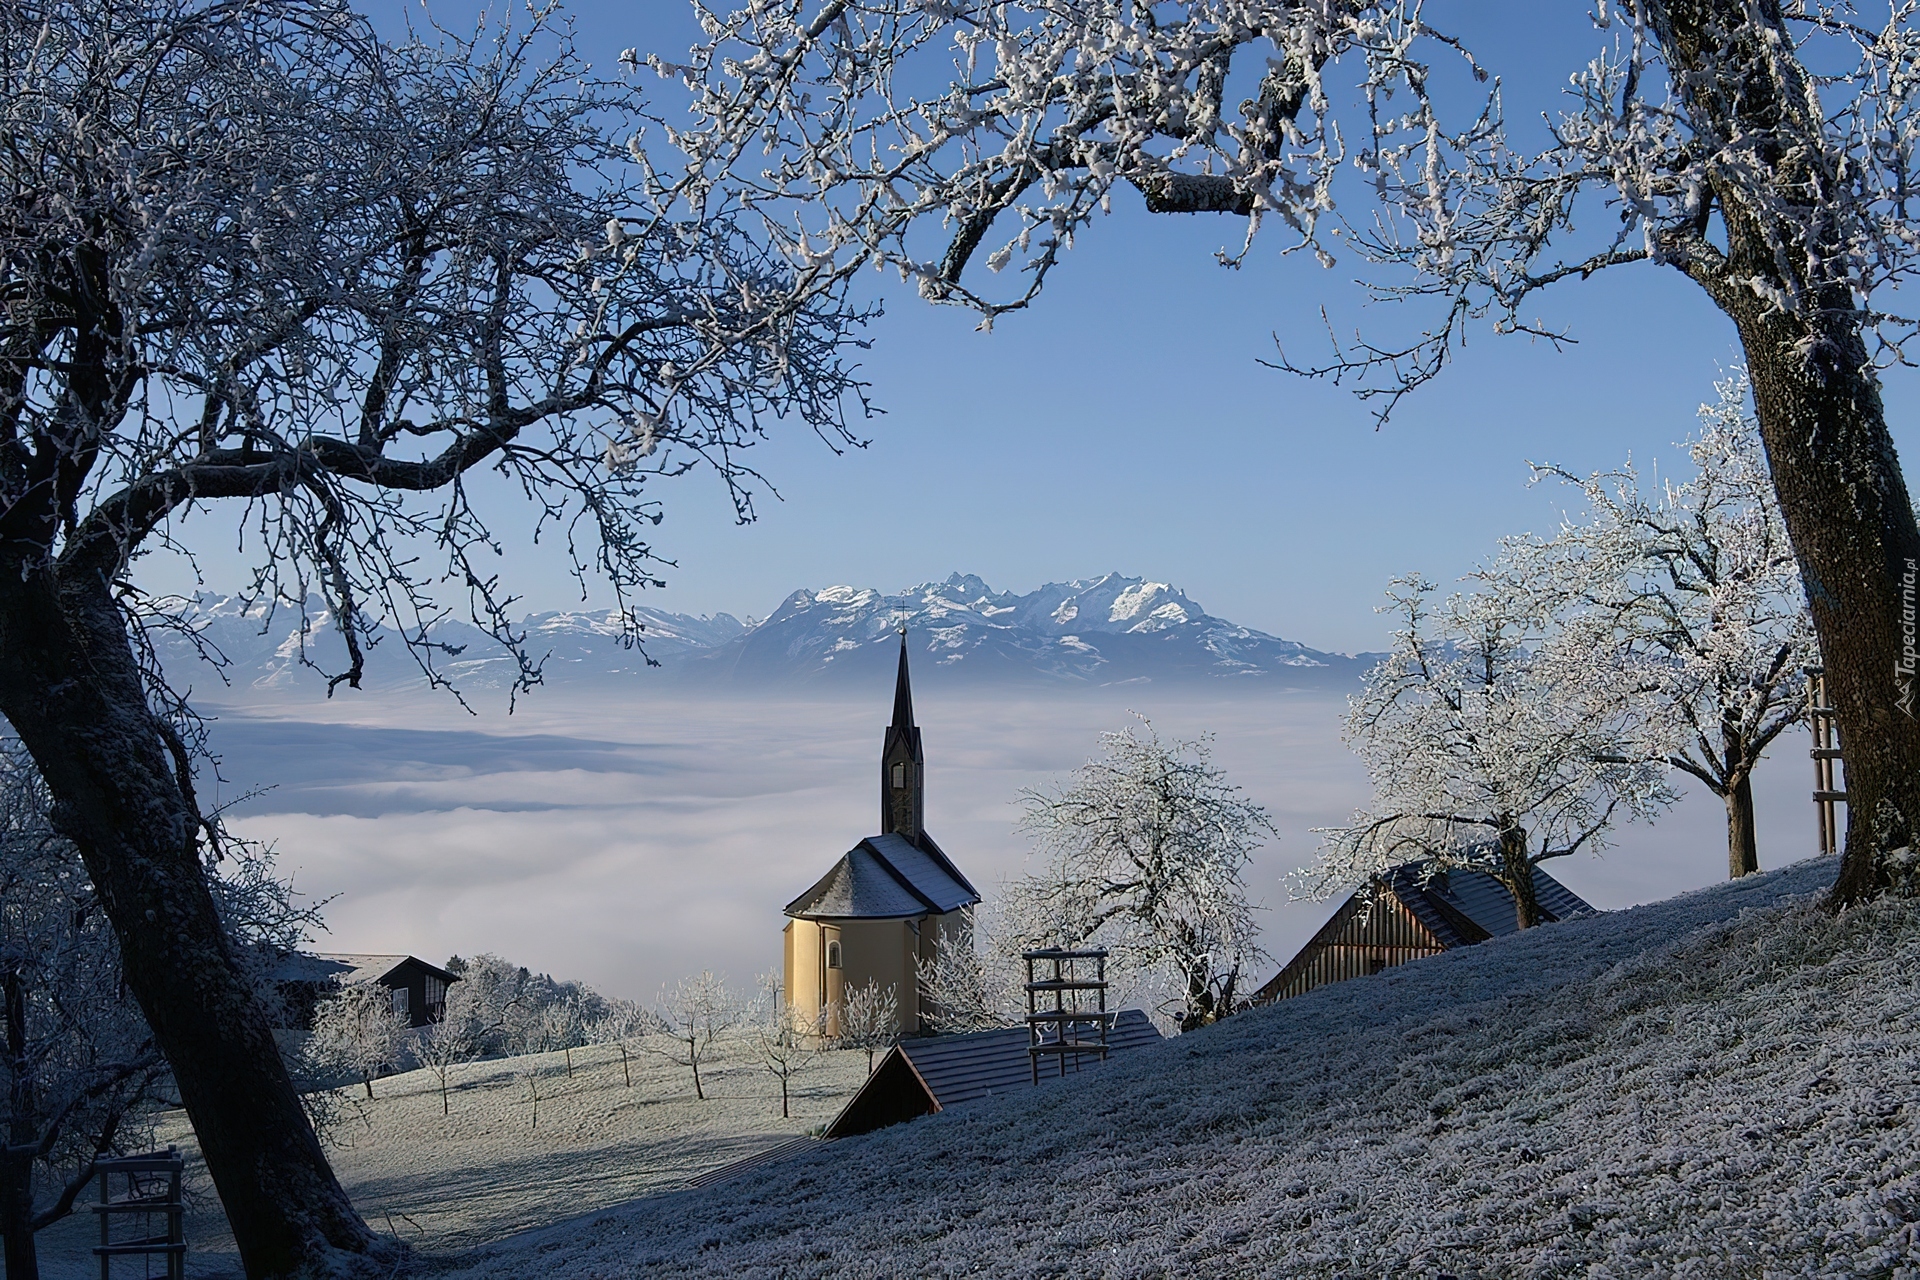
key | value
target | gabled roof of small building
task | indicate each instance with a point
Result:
(1460, 908)
(348, 969)
(886, 877)
(932, 1073)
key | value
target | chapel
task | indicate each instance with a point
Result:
(878, 914)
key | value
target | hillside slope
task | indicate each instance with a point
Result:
(1725, 1084)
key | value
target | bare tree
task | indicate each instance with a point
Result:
(1763, 149)
(79, 1067)
(969, 982)
(870, 1020)
(562, 1027)
(1147, 848)
(694, 1015)
(1488, 749)
(1694, 592)
(441, 1048)
(358, 1032)
(255, 256)
(624, 1023)
(787, 1043)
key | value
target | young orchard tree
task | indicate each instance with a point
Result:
(1762, 149)
(623, 1024)
(785, 1042)
(563, 1028)
(358, 1032)
(694, 1016)
(441, 1048)
(257, 259)
(1146, 852)
(1489, 750)
(1695, 592)
(870, 1020)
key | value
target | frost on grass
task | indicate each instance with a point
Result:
(1719, 1085)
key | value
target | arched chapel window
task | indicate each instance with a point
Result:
(833, 953)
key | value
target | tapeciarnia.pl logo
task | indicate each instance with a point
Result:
(1903, 669)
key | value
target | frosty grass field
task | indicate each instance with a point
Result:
(1721, 1085)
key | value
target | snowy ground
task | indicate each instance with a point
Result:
(490, 1168)
(1723, 1085)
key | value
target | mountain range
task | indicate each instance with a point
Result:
(1100, 631)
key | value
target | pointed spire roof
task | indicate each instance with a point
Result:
(903, 690)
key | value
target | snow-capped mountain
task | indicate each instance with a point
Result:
(1098, 631)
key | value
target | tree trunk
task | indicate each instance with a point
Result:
(1743, 852)
(1516, 873)
(70, 688)
(1817, 397)
(22, 1137)
(1852, 525)
(16, 1214)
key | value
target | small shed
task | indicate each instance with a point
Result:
(1410, 912)
(932, 1073)
(419, 989)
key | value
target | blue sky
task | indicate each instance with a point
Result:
(1125, 423)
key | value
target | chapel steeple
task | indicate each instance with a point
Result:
(902, 767)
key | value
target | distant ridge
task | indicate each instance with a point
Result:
(1098, 631)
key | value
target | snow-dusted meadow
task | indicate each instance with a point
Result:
(491, 1167)
(1723, 1085)
(628, 838)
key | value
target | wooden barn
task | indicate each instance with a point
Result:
(419, 989)
(1407, 914)
(920, 1077)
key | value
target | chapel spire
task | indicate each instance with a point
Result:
(902, 766)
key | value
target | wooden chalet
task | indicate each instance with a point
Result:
(419, 989)
(919, 1077)
(1408, 913)
(881, 910)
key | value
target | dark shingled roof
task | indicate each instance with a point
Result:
(886, 877)
(932, 1073)
(348, 969)
(1461, 908)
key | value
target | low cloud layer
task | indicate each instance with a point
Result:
(627, 841)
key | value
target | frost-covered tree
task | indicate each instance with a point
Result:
(970, 982)
(1489, 748)
(258, 259)
(1762, 149)
(785, 1041)
(79, 1068)
(358, 1033)
(693, 1017)
(869, 1019)
(623, 1024)
(563, 1027)
(80, 1071)
(1693, 590)
(441, 1048)
(1147, 849)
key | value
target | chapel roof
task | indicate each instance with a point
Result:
(886, 877)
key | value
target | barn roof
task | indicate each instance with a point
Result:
(348, 969)
(1464, 907)
(932, 1073)
(886, 877)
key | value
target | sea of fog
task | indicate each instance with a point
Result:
(627, 838)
